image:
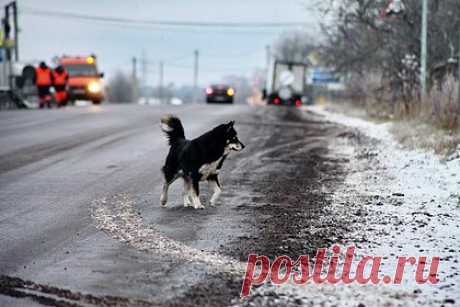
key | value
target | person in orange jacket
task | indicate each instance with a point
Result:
(43, 80)
(60, 80)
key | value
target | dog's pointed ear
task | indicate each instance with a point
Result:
(230, 125)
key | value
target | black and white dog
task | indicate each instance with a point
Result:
(196, 160)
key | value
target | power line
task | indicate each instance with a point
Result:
(214, 69)
(178, 61)
(180, 66)
(234, 56)
(163, 29)
(149, 22)
(178, 58)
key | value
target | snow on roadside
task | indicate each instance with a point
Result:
(412, 203)
(397, 202)
(418, 172)
(376, 131)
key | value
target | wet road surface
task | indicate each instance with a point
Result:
(80, 216)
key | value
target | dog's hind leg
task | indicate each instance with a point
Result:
(215, 187)
(196, 192)
(187, 192)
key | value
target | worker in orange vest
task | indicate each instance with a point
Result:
(60, 80)
(43, 80)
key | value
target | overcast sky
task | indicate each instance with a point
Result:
(222, 51)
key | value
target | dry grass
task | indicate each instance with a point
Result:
(415, 132)
(440, 108)
(431, 124)
(418, 134)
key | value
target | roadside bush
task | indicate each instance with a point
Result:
(121, 88)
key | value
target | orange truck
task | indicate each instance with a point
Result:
(85, 80)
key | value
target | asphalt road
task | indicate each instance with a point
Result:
(80, 220)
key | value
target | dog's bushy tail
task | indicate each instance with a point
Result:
(172, 127)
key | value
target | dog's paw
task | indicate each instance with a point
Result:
(187, 202)
(200, 207)
(163, 204)
(212, 203)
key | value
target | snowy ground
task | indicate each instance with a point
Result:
(402, 203)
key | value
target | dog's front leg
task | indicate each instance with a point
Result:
(196, 193)
(169, 178)
(164, 194)
(215, 188)
(187, 192)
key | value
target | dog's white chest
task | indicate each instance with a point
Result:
(209, 168)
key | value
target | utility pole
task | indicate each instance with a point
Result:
(458, 110)
(268, 60)
(195, 76)
(143, 82)
(134, 68)
(135, 84)
(7, 32)
(267, 57)
(423, 51)
(144, 67)
(160, 80)
(7, 69)
(16, 29)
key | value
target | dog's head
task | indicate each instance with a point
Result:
(231, 139)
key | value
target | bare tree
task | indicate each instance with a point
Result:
(362, 40)
(294, 47)
(121, 88)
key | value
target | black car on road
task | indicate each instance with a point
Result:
(220, 93)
